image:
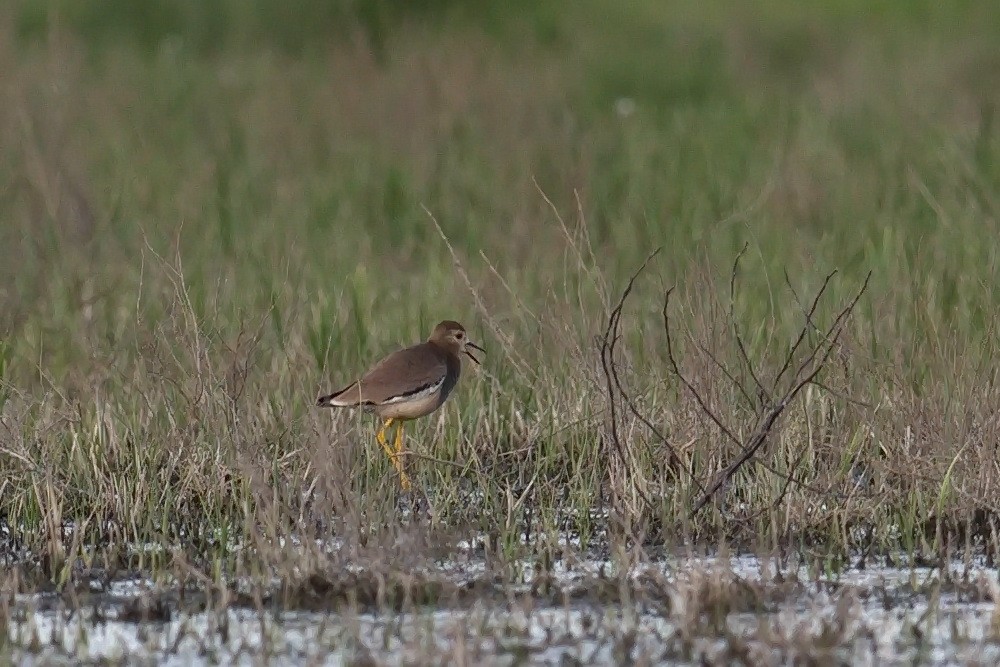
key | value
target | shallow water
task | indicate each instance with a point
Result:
(877, 616)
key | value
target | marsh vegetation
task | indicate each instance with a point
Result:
(211, 214)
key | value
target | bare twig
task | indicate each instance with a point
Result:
(607, 349)
(804, 374)
(610, 339)
(680, 376)
(736, 330)
(805, 329)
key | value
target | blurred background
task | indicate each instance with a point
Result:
(278, 164)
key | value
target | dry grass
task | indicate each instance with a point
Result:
(196, 246)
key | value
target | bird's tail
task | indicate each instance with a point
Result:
(342, 398)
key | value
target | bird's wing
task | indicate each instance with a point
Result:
(403, 375)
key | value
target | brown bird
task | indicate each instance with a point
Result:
(408, 384)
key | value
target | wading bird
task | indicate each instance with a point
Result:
(408, 384)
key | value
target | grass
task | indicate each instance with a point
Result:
(203, 231)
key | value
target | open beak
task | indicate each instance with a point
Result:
(475, 347)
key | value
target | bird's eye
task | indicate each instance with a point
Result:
(460, 335)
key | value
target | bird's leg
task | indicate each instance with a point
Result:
(397, 459)
(380, 436)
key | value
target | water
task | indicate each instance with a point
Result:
(676, 611)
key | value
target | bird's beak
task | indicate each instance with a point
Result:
(475, 347)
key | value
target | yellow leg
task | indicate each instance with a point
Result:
(394, 455)
(380, 436)
(397, 459)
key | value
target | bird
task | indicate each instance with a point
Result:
(408, 384)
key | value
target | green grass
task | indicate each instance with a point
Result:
(206, 225)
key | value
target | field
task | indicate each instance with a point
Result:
(736, 271)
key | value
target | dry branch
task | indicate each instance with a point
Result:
(799, 368)
(616, 390)
(805, 373)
